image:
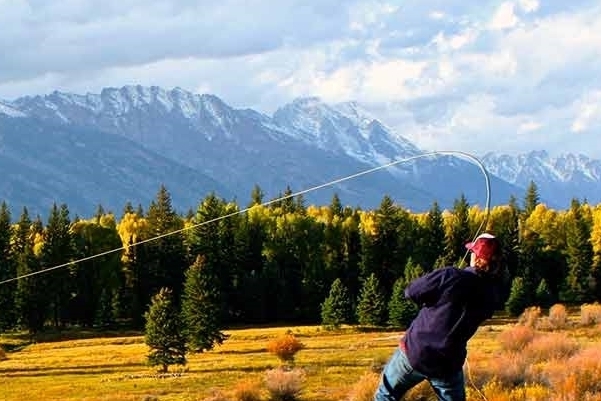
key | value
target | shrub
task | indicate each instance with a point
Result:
(247, 390)
(550, 346)
(285, 347)
(516, 338)
(578, 375)
(590, 314)
(495, 391)
(365, 387)
(284, 385)
(217, 396)
(558, 316)
(530, 317)
(506, 369)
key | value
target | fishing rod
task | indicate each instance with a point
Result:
(295, 194)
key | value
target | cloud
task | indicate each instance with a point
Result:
(513, 75)
(504, 17)
(73, 36)
(588, 112)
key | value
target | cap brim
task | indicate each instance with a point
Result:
(470, 245)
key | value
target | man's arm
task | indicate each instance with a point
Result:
(425, 290)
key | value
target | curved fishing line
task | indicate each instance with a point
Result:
(302, 192)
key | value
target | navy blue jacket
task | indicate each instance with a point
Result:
(454, 302)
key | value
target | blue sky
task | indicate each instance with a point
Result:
(477, 76)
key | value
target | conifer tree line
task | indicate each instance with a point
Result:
(284, 262)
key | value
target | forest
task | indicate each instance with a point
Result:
(278, 262)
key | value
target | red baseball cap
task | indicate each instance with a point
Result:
(484, 246)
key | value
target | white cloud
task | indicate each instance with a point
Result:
(529, 5)
(530, 126)
(436, 15)
(516, 75)
(588, 112)
(504, 17)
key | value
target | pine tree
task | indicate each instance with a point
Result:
(432, 242)
(105, 314)
(201, 308)
(337, 307)
(163, 332)
(166, 259)
(459, 233)
(31, 300)
(8, 270)
(401, 310)
(256, 196)
(578, 286)
(531, 199)
(371, 309)
(517, 301)
(543, 294)
(58, 249)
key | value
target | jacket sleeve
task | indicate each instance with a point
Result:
(426, 290)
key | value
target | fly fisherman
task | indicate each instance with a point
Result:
(453, 303)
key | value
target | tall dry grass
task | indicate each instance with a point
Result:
(283, 384)
(364, 388)
(590, 314)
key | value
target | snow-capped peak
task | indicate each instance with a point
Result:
(10, 111)
(540, 166)
(343, 128)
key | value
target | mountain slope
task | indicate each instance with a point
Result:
(306, 143)
(560, 178)
(44, 163)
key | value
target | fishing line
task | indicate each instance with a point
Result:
(302, 192)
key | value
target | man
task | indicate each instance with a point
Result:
(453, 303)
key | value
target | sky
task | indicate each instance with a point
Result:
(470, 75)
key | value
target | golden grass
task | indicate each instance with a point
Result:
(336, 365)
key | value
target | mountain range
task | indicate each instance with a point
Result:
(120, 145)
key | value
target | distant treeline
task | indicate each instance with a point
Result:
(277, 262)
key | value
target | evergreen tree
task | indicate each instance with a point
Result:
(165, 258)
(219, 241)
(384, 253)
(401, 310)
(105, 314)
(201, 308)
(256, 196)
(8, 270)
(336, 206)
(337, 307)
(31, 297)
(543, 295)
(529, 263)
(459, 233)
(371, 309)
(517, 301)
(579, 282)
(432, 241)
(58, 249)
(531, 199)
(163, 334)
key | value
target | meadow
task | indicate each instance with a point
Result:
(544, 355)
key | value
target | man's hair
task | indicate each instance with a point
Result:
(492, 266)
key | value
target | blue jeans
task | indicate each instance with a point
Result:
(399, 377)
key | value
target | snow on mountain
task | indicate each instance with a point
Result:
(305, 143)
(561, 177)
(344, 128)
(10, 111)
(538, 165)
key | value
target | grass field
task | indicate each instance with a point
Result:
(113, 367)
